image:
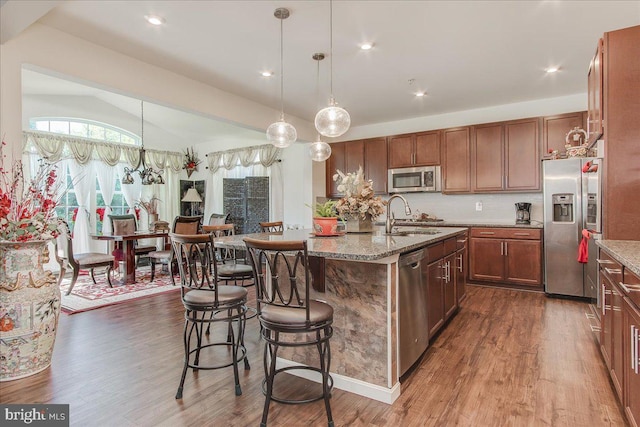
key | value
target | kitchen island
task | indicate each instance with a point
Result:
(361, 276)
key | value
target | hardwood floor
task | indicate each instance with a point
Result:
(509, 358)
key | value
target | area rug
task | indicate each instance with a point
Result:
(88, 296)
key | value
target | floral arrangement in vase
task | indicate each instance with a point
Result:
(28, 209)
(359, 200)
(150, 206)
(191, 162)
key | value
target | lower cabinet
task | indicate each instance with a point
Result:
(441, 273)
(506, 255)
(620, 331)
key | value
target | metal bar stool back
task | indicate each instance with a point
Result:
(283, 278)
(206, 303)
(271, 227)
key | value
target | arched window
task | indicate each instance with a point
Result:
(84, 129)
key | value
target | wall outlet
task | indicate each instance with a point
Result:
(478, 206)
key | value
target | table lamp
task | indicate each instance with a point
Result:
(192, 196)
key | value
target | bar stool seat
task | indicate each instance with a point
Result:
(287, 319)
(226, 295)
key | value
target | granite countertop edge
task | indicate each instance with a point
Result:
(626, 252)
(463, 223)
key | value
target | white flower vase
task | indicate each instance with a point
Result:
(29, 309)
(359, 225)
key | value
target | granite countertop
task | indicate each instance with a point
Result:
(350, 246)
(626, 252)
(463, 223)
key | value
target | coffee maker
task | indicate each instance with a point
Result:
(523, 213)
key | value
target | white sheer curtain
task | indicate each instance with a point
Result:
(106, 178)
(83, 176)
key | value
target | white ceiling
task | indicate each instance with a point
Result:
(464, 54)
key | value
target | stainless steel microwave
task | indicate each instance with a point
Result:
(409, 180)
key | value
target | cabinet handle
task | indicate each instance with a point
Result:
(522, 234)
(501, 248)
(629, 288)
(488, 232)
(613, 270)
(461, 263)
(635, 362)
(604, 261)
(602, 302)
(462, 241)
(506, 249)
(449, 271)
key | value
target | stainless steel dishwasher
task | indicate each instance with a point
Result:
(412, 308)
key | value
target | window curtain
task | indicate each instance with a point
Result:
(259, 160)
(82, 176)
(106, 177)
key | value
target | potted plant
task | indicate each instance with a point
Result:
(325, 221)
(29, 295)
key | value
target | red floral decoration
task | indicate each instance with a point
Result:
(137, 211)
(100, 212)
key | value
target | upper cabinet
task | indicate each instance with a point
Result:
(595, 116)
(505, 156)
(348, 156)
(456, 156)
(416, 149)
(555, 129)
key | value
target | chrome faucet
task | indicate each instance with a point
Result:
(391, 220)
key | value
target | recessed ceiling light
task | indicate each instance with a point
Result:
(366, 46)
(154, 20)
(421, 93)
(552, 70)
(266, 73)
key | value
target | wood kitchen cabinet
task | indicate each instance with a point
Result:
(595, 116)
(555, 129)
(456, 160)
(461, 267)
(506, 256)
(348, 156)
(441, 283)
(416, 149)
(505, 156)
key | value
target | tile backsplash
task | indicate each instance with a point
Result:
(495, 207)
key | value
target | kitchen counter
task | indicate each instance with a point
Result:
(462, 223)
(626, 252)
(351, 246)
(360, 272)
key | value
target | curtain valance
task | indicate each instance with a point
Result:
(54, 147)
(266, 155)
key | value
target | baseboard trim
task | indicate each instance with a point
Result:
(352, 385)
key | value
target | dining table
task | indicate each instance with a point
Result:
(127, 254)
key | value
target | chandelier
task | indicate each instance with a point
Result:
(332, 121)
(281, 134)
(148, 175)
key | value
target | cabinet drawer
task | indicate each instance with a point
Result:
(435, 251)
(507, 233)
(609, 267)
(450, 245)
(461, 240)
(631, 286)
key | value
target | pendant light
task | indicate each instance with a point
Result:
(332, 121)
(281, 134)
(319, 150)
(147, 174)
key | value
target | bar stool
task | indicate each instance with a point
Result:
(285, 308)
(232, 268)
(207, 302)
(271, 227)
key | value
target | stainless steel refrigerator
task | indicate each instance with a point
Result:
(571, 204)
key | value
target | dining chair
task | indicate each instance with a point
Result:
(271, 227)
(289, 317)
(127, 224)
(181, 225)
(65, 256)
(218, 219)
(207, 302)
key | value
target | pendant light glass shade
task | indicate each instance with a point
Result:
(319, 151)
(281, 134)
(332, 121)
